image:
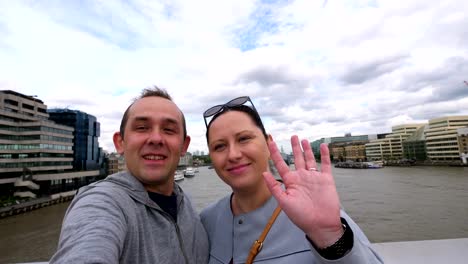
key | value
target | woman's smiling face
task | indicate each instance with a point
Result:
(238, 150)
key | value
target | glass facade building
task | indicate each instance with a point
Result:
(86, 153)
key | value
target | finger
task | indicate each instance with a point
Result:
(308, 155)
(299, 162)
(273, 185)
(325, 158)
(277, 159)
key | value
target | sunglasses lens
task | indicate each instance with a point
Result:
(213, 110)
(238, 101)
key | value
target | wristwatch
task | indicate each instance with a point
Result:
(342, 246)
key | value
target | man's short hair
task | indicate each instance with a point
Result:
(149, 92)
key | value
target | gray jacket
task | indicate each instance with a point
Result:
(232, 236)
(115, 221)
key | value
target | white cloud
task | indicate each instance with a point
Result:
(313, 68)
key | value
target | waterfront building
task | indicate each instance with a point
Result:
(355, 152)
(390, 147)
(414, 147)
(36, 154)
(315, 146)
(87, 155)
(442, 139)
(33, 149)
(337, 151)
(463, 143)
(186, 160)
(344, 148)
(115, 163)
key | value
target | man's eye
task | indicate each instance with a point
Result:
(170, 130)
(141, 128)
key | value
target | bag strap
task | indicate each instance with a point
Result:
(258, 244)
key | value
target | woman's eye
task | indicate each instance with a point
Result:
(244, 138)
(219, 147)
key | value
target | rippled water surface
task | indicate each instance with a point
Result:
(390, 204)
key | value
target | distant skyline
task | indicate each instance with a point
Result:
(312, 68)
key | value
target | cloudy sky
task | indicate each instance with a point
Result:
(313, 68)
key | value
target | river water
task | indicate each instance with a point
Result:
(390, 204)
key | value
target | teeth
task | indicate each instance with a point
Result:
(154, 157)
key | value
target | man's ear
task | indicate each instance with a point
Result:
(185, 146)
(118, 143)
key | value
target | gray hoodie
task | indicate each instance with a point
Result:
(115, 221)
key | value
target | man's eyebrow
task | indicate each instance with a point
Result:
(164, 120)
(141, 118)
(171, 121)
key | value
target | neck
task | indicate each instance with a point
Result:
(164, 189)
(246, 201)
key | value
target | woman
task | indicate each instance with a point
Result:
(310, 229)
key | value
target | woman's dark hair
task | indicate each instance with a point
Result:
(244, 109)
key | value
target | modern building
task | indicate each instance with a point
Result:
(115, 163)
(36, 154)
(347, 147)
(355, 152)
(186, 160)
(442, 138)
(86, 152)
(414, 147)
(463, 143)
(390, 147)
(32, 148)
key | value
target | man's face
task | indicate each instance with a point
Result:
(153, 142)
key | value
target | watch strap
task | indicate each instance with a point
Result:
(342, 246)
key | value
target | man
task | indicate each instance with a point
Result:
(141, 215)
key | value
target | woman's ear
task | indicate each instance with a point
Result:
(269, 140)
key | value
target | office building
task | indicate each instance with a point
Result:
(115, 163)
(36, 154)
(33, 149)
(414, 147)
(442, 138)
(390, 147)
(86, 152)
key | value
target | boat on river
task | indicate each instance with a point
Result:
(189, 172)
(358, 165)
(179, 175)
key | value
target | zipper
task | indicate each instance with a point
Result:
(181, 242)
(179, 236)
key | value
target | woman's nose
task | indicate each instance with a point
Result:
(234, 152)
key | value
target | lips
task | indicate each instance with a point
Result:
(238, 169)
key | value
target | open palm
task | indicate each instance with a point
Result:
(309, 197)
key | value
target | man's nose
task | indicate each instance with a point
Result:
(155, 137)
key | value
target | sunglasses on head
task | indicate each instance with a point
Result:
(233, 103)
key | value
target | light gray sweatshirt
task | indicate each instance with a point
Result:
(115, 221)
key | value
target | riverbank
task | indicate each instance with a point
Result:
(35, 204)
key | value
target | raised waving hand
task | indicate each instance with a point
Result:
(309, 197)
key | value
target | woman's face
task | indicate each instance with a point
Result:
(238, 150)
